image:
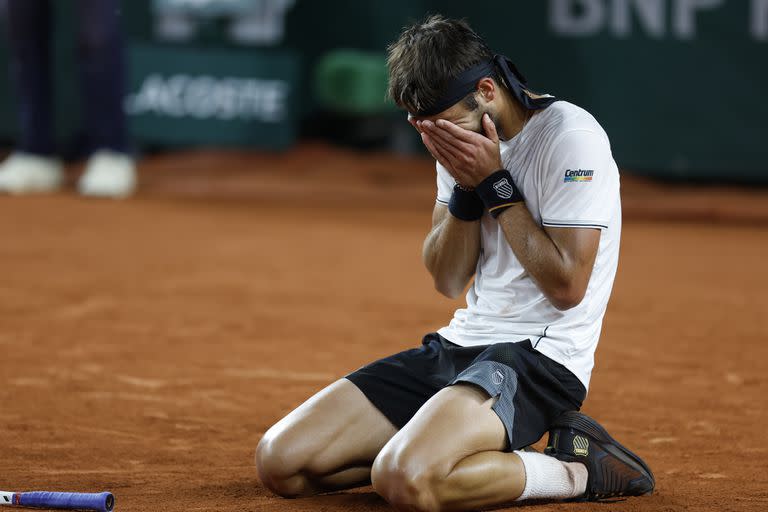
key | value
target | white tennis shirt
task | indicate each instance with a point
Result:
(562, 163)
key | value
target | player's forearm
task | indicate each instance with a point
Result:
(450, 253)
(554, 272)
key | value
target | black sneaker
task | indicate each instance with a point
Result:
(613, 470)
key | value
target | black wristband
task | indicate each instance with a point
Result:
(465, 204)
(498, 192)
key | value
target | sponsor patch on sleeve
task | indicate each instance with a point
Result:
(578, 175)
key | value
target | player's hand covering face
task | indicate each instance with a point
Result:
(465, 142)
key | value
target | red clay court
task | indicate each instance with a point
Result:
(148, 344)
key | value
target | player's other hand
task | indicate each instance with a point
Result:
(418, 124)
(470, 157)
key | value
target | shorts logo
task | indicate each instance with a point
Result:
(578, 175)
(581, 446)
(503, 188)
(497, 377)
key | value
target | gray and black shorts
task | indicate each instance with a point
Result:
(532, 389)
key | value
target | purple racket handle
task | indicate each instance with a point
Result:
(102, 501)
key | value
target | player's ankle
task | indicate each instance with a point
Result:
(549, 478)
(579, 476)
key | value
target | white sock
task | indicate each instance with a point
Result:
(547, 477)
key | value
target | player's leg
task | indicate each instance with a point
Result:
(327, 443)
(330, 442)
(451, 457)
(453, 454)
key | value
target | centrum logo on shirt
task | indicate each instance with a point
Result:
(580, 175)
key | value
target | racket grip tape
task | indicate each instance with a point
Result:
(102, 502)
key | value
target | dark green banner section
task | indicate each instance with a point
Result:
(679, 85)
(182, 95)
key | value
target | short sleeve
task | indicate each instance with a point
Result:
(445, 184)
(580, 186)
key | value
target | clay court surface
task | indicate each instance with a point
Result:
(148, 344)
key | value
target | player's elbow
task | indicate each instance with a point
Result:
(451, 288)
(447, 281)
(567, 297)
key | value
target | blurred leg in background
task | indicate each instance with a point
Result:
(32, 167)
(110, 171)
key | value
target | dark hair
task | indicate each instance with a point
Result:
(429, 54)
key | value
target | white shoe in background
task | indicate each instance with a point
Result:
(108, 174)
(25, 173)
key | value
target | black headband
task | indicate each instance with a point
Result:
(467, 80)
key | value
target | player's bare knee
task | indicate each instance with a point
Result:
(268, 464)
(278, 468)
(405, 485)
